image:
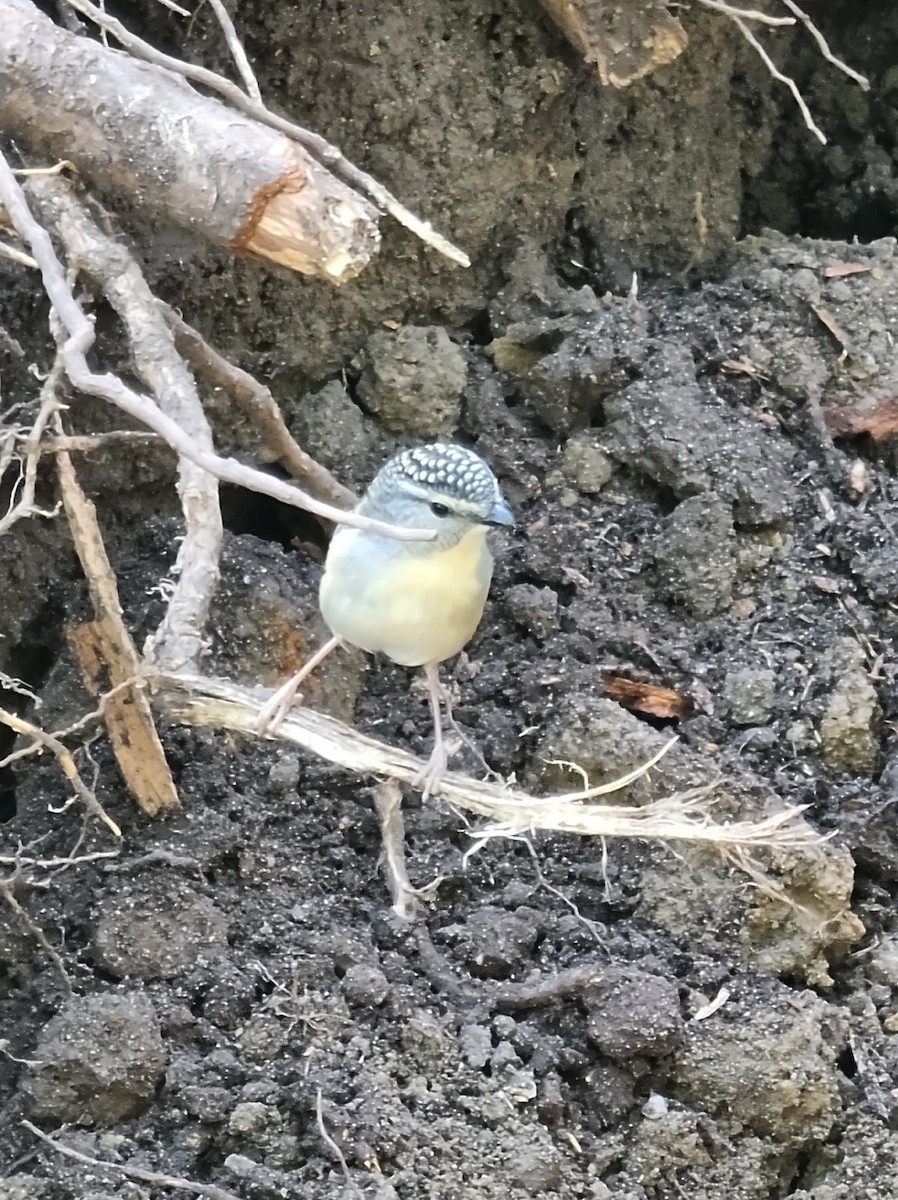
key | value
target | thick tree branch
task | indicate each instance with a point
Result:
(138, 131)
(81, 337)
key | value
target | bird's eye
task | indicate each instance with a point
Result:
(439, 510)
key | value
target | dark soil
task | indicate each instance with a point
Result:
(239, 1005)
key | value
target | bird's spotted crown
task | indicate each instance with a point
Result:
(450, 470)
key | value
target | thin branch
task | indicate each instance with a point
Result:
(22, 500)
(684, 818)
(328, 155)
(182, 12)
(388, 804)
(66, 762)
(260, 406)
(332, 1145)
(17, 256)
(179, 640)
(745, 14)
(172, 1182)
(823, 46)
(250, 83)
(778, 75)
(141, 408)
(6, 892)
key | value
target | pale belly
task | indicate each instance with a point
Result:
(418, 609)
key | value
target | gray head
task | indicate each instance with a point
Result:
(447, 488)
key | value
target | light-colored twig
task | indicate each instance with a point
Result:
(81, 337)
(8, 896)
(179, 640)
(745, 14)
(182, 12)
(54, 864)
(778, 75)
(66, 762)
(260, 406)
(17, 256)
(171, 1182)
(684, 818)
(388, 804)
(26, 448)
(250, 83)
(823, 46)
(332, 1145)
(328, 155)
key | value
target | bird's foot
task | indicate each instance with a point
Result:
(430, 778)
(275, 709)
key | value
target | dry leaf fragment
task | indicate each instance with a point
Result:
(647, 698)
(879, 422)
(841, 269)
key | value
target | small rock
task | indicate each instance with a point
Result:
(99, 1060)
(209, 1104)
(25, 1187)
(284, 774)
(476, 1045)
(696, 557)
(751, 695)
(584, 464)
(147, 936)
(849, 730)
(365, 986)
(263, 1037)
(249, 1118)
(882, 966)
(331, 427)
(534, 608)
(494, 941)
(633, 1013)
(413, 380)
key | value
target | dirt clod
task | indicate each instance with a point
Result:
(633, 1013)
(142, 935)
(413, 380)
(696, 555)
(99, 1060)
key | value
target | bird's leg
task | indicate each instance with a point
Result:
(438, 761)
(461, 735)
(283, 699)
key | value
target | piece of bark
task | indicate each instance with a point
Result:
(109, 660)
(137, 131)
(879, 420)
(625, 40)
(647, 698)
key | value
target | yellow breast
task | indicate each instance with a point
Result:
(417, 608)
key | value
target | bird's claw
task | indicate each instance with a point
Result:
(431, 776)
(274, 711)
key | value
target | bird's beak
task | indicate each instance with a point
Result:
(500, 514)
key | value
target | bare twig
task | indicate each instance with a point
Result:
(327, 154)
(26, 447)
(778, 75)
(56, 863)
(17, 256)
(685, 818)
(260, 405)
(182, 12)
(332, 1145)
(141, 408)
(250, 83)
(388, 803)
(7, 894)
(179, 640)
(172, 1182)
(66, 762)
(823, 46)
(745, 14)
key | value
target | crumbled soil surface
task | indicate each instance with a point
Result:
(230, 999)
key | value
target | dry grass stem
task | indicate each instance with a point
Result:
(328, 155)
(155, 1178)
(80, 339)
(22, 448)
(332, 1145)
(261, 407)
(17, 256)
(508, 811)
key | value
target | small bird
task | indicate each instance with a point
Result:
(417, 602)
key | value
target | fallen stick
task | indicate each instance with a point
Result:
(138, 131)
